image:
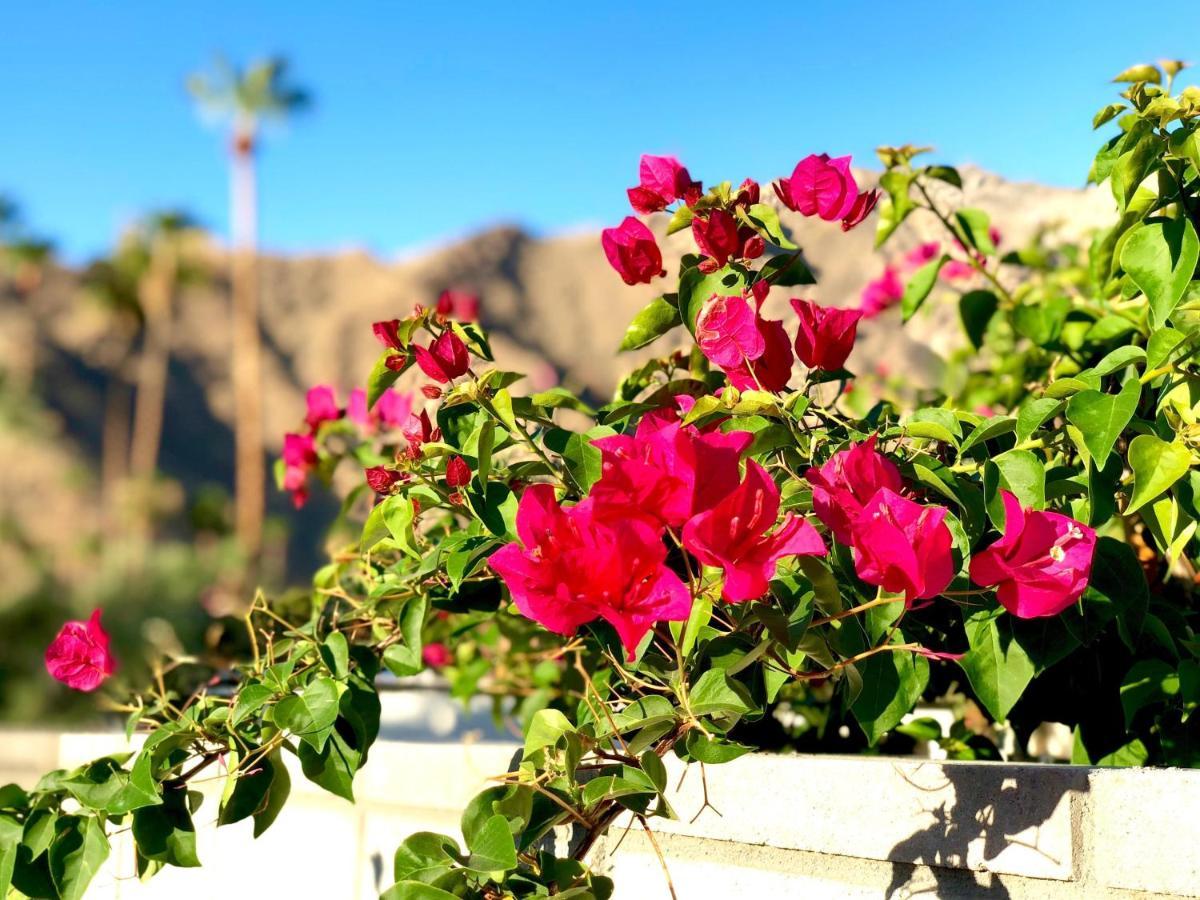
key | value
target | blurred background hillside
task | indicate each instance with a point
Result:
(148, 312)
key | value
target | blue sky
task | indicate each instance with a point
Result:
(436, 119)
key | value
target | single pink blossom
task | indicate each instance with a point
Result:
(826, 335)
(883, 293)
(383, 480)
(666, 471)
(572, 567)
(734, 535)
(820, 186)
(299, 458)
(458, 473)
(718, 236)
(662, 181)
(847, 481)
(322, 406)
(902, 546)
(388, 333)
(771, 371)
(461, 305)
(79, 656)
(632, 251)
(920, 255)
(436, 655)
(727, 331)
(445, 359)
(1042, 563)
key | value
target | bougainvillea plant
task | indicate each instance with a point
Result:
(730, 534)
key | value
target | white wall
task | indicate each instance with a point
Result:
(803, 827)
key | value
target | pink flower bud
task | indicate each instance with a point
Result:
(632, 251)
(458, 473)
(388, 333)
(382, 480)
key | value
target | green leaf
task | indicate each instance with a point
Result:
(713, 750)
(716, 694)
(382, 378)
(1160, 257)
(1102, 417)
(1107, 114)
(311, 713)
(104, 785)
(335, 653)
(559, 397)
(1162, 346)
(920, 286)
(976, 308)
(974, 224)
(987, 430)
(1144, 72)
(492, 848)
(1149, 681)
(250, 699)
(10, 842)
(948, 174)
(545, 728)
(787, 270)
(1156, 465)
(79, 850)
(277, 794)
(416, 890)
(1141, 156)
(765, 220)
(1019, 471)
(166, 833)
(424, 855)
(633, 783)
(1132, 754)
(892, 682)
(1118, 359)
(332, 768)
(404, 659)
(398, 515)
(1032, 414)
(250, 791)
(997, 666)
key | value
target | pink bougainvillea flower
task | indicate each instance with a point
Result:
(820, 186)
(727, 331)
(826, 334)
(662, 181)
(445, 359)
(322, 406)
(632, 251)
(571, 567)
(863, 204)
(920, 255)
(957, 270)
(1042, 563)
(392, 410)
(666, 472)
(383, 480)
(771, 371)
(903, 546)
(847, 482)
(462, 305)
(388, 333)
(79, 656)
(299, 458)
(419, 431)
(734, 535)
(458, 473)
(436, 655)
(883, 293)
(717, 235)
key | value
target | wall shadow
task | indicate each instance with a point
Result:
(995, 804)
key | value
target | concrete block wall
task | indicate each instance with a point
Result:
(775, 826)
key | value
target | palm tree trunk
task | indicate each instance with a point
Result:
(114, 446)
(156, 289)
(249, 468)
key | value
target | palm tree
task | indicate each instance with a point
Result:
(24, 257)
(163, 240)
(244, 99)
